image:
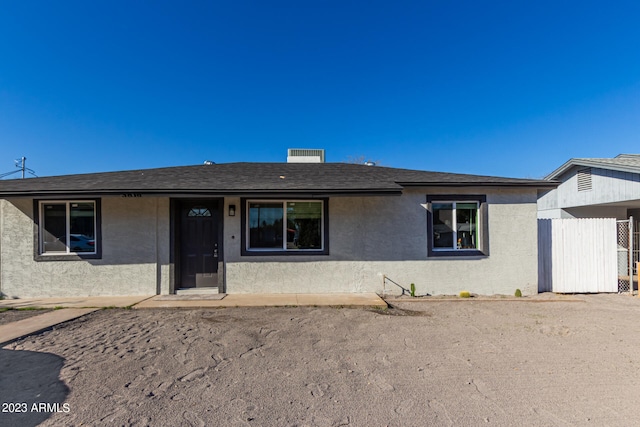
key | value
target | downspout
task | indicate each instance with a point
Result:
(158, 264)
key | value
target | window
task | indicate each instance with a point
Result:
(285, 226)
(68, 227)
(457, 225)
(199, 211)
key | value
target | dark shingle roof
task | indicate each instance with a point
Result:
(253, 178)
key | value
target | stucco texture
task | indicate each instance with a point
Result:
(369, 237)
(135, 253)
(374, 236)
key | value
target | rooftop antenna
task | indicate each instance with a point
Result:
(21, 165)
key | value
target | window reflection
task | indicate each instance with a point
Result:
(304, 225)
(265, 225)
(68, 227)
(466, 225)
(82, 223)
(443, 225)
(455, 225)
(55, 228)
(285, 225)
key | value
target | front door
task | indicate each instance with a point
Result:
(199, 221)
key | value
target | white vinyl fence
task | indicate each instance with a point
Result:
(577, 255)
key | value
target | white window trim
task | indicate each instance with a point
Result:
(67, 204)
(455, 226)
(284, 226)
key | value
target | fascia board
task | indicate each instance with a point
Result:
(590, 163)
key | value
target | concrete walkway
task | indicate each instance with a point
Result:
(74, 302)
(70, 308)
(266, 300)
(31, 325)
(74, 307)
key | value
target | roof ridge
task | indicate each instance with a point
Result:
(624, 162)
(627, 156)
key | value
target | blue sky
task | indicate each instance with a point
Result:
(497, 88)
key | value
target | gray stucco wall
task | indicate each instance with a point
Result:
(375, 236)
(368, 237)
(135, 253)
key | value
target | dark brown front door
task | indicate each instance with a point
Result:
(199, 244)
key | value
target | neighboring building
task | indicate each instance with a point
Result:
(594, 188)
(267, 228)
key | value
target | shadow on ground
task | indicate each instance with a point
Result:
(30, 387)
(394, 310)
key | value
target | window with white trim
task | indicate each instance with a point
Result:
(67, 227)
(293, 226)
(457, 225)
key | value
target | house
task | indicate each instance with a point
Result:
(594, 188)
(295, 227)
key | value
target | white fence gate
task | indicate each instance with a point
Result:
(577, 255)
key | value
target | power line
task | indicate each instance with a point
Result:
(21, 165)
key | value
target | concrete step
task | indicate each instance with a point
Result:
(197, 291)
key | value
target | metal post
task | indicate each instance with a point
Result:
(24, 159)
(631, 256)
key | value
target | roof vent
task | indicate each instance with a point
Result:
(209, 162)
(305, 155)
(584, 179)
(369, 163)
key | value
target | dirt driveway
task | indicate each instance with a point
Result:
(442, 363)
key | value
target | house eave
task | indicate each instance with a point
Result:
(537, 184)
(310, 193)
(589, 163)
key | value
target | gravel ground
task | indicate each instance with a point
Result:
(475, 362)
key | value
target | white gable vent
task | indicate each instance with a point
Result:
(305, 155)
(584, 179)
